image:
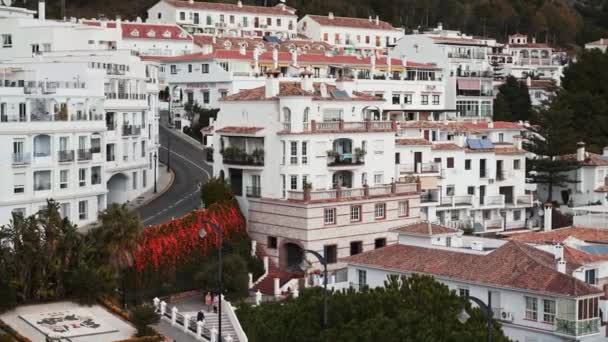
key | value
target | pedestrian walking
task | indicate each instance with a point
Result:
(208, 301)
(215, 303)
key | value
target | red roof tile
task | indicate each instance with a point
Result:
(591, 159)
(446, 147)
(573, 255)
(240, 130)
(560, 235)
(514, 265)
(531, 45)
(295, 89)
(223, 7)
(508, 150)
(352, 22)
(465, 126)
(424, 228)
(147, 31)
(411, 141)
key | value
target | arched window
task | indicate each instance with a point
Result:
(306, 114)
(286, 115)
(42, 145)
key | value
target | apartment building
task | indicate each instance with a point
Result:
(351, 35)
(223, 19)
(81, 118)
(472, 174)
(312, 167)
(548, 301)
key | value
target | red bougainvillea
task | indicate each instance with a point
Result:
(167, 244)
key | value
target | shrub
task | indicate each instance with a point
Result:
(142, 317)
(214, 191)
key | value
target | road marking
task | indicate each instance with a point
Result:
(173, 205)
(189, 161)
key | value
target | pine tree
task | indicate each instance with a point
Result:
(512, 101)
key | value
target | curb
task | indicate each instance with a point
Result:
(185, 138)
(161, 192)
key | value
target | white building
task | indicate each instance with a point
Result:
(536, 295)
(308, 160)
(598, 44)
(352, 35)
(236, 20)
(80, 118)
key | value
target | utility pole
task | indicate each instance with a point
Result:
(169, 152)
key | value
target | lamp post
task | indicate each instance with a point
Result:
(155, 160)
(202, 233)
(463, 316)
(323, 261)
(169, 152)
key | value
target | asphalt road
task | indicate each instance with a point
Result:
(190, 171)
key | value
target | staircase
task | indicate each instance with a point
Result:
(227, 329)
(266, 285)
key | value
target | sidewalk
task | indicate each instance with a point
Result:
(190, 140)
(165, 180)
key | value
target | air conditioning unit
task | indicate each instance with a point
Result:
(506, 316)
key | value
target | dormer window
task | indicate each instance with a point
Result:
(135, 33)
(167, 34)
(151, 34)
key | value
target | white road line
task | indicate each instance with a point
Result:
(172, 205)
(189, 161)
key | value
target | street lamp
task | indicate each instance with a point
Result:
(464, 316)
(169, 152)
(306, 265)
(155, 160)
(202, 233)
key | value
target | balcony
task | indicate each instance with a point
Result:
(492, 201)
(237, 156)
(84, 154)
(24, 158)
(523, 200)
(344, 194)
(254, 191)
(420, 168)
(429, 197)
(13, 118)
(342, 126)
(130, 130)
(456, 201)
(492, 224)
(578, 327)
(478, 73)
(65, 156)
(335, 159)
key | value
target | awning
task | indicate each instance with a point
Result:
(469, 84)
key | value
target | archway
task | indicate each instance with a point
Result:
(293, 255)
(117, 188)
(42, 145)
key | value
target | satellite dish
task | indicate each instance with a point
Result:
(7, 2)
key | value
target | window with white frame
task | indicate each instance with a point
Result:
(329, 216)
(7, 41)
(516, 164)
(293, 182)
(205, 68)
(293, 152)
(64, 210)
(282, 153)
(435, 99)
(531, 308)
(424, 100)
(134, 180)
(304, 148)
(42, 180)
(380, 211)
(82, 177)
(404, 208)
(548, 311)
(173, 69)
(83, 210)
(362, 277)
(19, 183)
(591, 276)
(206, 98)
(450, 190)
(517, 215)
(355, 213)
(463, 291)
(396, 98)
(407, 98)
(64, 179)
(225, 66)
(378, 178)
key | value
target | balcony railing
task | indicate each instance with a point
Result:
(344, 159)
(578, 327)
(65, 156)
(420, 168)
(128, 130)
(236, 156)
(309, 195)
(84, 154)
(254, 191)
(21, 158)
(456, 200)
(493, 224)
(524, 200)
(345, 126)
(492, 200)
(429, 196)
(13, 118)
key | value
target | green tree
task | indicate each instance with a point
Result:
(142, 317)
(550, 139)
(406, 309)
(512, 102)
(216, 190)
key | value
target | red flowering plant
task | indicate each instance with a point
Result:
(168, 244)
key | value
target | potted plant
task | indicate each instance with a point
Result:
(232, 153)
(258, 155)
(307, 185)
(360, 154)
(332, 156)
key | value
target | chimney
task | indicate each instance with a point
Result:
(491, 124)
(331, 15)
(242, 50)
(41, 10)
(477, 246)
(558, 251)
(370, 19)
(239, 4)
(605, 152)
(529, 81)
(440, 26)
(377, 20)
(548, 215)
(533, 40)
(307, 83)
(561, 266)
(323, 89)
(273, 85)
(190, 1)
(580, 152)
(118, 22)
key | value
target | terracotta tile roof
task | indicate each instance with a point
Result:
(352, 22)
(603, 188)
(295, 89)
(458, 40)
(560, 235)
(222, 7)
(147, 31)
(542, 84)
(446, 147)
(240, 129)
(465, 126)
(580, 258)
(422, 228)
(412, 141)
(508, 150)
(591, 159)
(531, 45)
(514, 265)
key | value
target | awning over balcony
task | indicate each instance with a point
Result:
(469, 84)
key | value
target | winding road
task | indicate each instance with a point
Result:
(190, 171)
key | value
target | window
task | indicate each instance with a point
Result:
(425, 100)
(331, 253)
(516, 164)
(548, 311)
(590, 277)
(205, 68)
(134, 180)
(42, 180)
(293, 152)
(471, 190)
(173, 69)
(449, 190)
(223, 94)
(517, 215)
(206, 96)
(82, 210)
(407, 98)
(380, 211)
(96, 175)
(378, 178)
(356, 247)
(293, 182)
(404, 208)
(231, 18)
(7, 41)
(64, 210)
(501, 137)
(222, 17)
(355, 213)
(278, 22)
(467, 164)
(269, 21)
(435, 99)
(329, 216)
(63, 179)
(396, 99)
(143, 149)
(272, 242)
(82, 177)
(182, 16)
(304, 152)
(463, 291)
(450, 161)
(486, 214)
(144, 178)
(325, 36)
(379, 243)
(245, 22)
(531, 308)
(362, 277)
(454, 215)
(19, 183)
(190, 68)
